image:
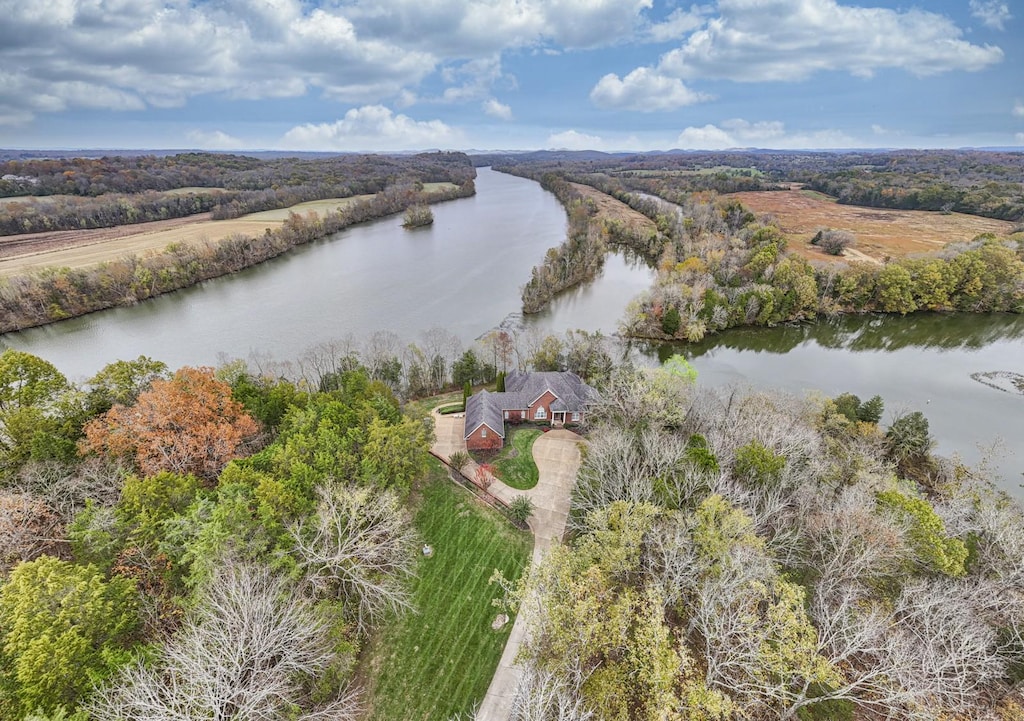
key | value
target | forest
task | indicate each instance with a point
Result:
(241, 543)
(985, 183)
(77, 193)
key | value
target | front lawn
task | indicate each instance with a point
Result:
(514, 462)
(438, 662)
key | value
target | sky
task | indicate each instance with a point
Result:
(612, 75)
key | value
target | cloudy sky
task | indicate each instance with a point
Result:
(353, 75)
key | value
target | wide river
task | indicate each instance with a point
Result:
(464, 273)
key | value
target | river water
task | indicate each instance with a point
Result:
(464, 273)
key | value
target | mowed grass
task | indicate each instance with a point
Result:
(515, 464)
(438, 662)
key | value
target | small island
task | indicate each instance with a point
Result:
(418, 216)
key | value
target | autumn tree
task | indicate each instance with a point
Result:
(187, 424)
(28, 529)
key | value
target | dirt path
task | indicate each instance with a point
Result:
(557, 454)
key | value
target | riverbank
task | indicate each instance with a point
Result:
(596, 221)
(58, 293)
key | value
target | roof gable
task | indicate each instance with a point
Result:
(567, 387)
(483, 409)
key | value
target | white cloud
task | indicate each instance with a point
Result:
(784, 40)
(467, 28)
(645, 90)
(1020, 138)
(497, 110)
(213, 140)
(573, 140)
(1018, 109)
(709, 137)
(992, 13)
(476, 78)
(125, 55)
(678, 24)
(738, 133)
(372, 127)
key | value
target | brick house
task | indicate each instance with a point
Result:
(543, 397)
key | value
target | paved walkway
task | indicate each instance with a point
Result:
(557, 455)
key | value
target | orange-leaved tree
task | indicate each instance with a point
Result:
(188, 424)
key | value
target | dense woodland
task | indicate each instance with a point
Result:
(233, 537)
(724, 268)
(110, 191)
(742, 555)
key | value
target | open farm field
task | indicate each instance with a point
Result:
(611, 209)
(320, 207)
(20, 254)
(434, 187)
(193, 189)
(80, 248)
(880, 232)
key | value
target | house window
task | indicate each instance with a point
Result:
(575, 415)
(541, 413)
(483, 432)
(506, 415)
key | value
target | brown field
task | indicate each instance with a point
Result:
(880, 232)
(20, 254)
(612, 209)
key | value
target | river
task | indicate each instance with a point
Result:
(464, 273)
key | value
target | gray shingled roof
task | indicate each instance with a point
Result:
(522, 389)
(568, 387)
(483, 408)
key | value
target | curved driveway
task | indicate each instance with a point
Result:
(557, 454)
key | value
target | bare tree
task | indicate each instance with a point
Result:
(28, 529)
(248, 652)
(66, 488)
(360, 547)
(542, 696)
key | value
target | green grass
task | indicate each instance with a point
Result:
(433, 664)
(425, 405)
(515, 464)
(453, 408)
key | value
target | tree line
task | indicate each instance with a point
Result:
(978, 182)
(581, 255)
(56, 293)
(355, 174)
(267, 186)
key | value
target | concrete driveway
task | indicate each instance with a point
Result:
(557, 455)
